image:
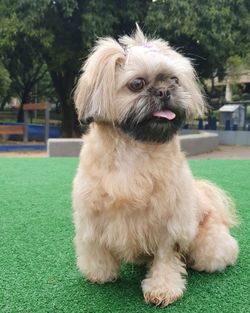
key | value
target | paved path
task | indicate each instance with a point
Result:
(24, 154)
(226, 152)
(222, 152)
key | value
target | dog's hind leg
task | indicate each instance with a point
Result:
(213, 248)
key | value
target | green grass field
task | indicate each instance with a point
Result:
(37, 262)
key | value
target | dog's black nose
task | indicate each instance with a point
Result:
(162, 93)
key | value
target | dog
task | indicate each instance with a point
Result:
(134, 196)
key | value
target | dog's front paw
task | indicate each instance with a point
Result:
(101, 279)
(160, 294)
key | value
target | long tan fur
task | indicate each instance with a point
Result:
(137, 201)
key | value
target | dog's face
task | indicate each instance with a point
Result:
(143, 87)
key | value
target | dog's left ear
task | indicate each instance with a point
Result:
(191, 83)
(95, 89)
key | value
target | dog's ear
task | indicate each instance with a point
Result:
(192, 85)
(94, 92)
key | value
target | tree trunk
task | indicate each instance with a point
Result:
(63, 87)
(70, 124)
(3, 103)
(20, 114)
(67, 127)
(212, 87)
(24, 100)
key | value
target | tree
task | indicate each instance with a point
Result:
(5, 82)
(209, 31)
(26, 67)
(23, 62)
(64, 31)
(83, 20)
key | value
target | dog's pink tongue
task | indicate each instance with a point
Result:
(169, 115)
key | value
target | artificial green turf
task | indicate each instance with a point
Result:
(37, 262)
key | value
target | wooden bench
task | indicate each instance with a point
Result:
(23, 128)
(11, 129)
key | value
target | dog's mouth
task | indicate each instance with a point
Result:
(158, 127)
(166, 114)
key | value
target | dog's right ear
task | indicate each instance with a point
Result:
(94, 92)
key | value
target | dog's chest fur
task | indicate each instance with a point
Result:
(125, 190)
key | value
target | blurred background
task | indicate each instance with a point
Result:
(44, 43)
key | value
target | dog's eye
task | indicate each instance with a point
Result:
(137, 84)
(174, 80)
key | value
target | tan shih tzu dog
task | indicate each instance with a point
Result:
(134, 197)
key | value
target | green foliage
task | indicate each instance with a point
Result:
(236, 63)
(62, 32)
(235, 67)
(207, 31)
(236, 97)
(56, 35)
(4, 81)
(245, 96)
